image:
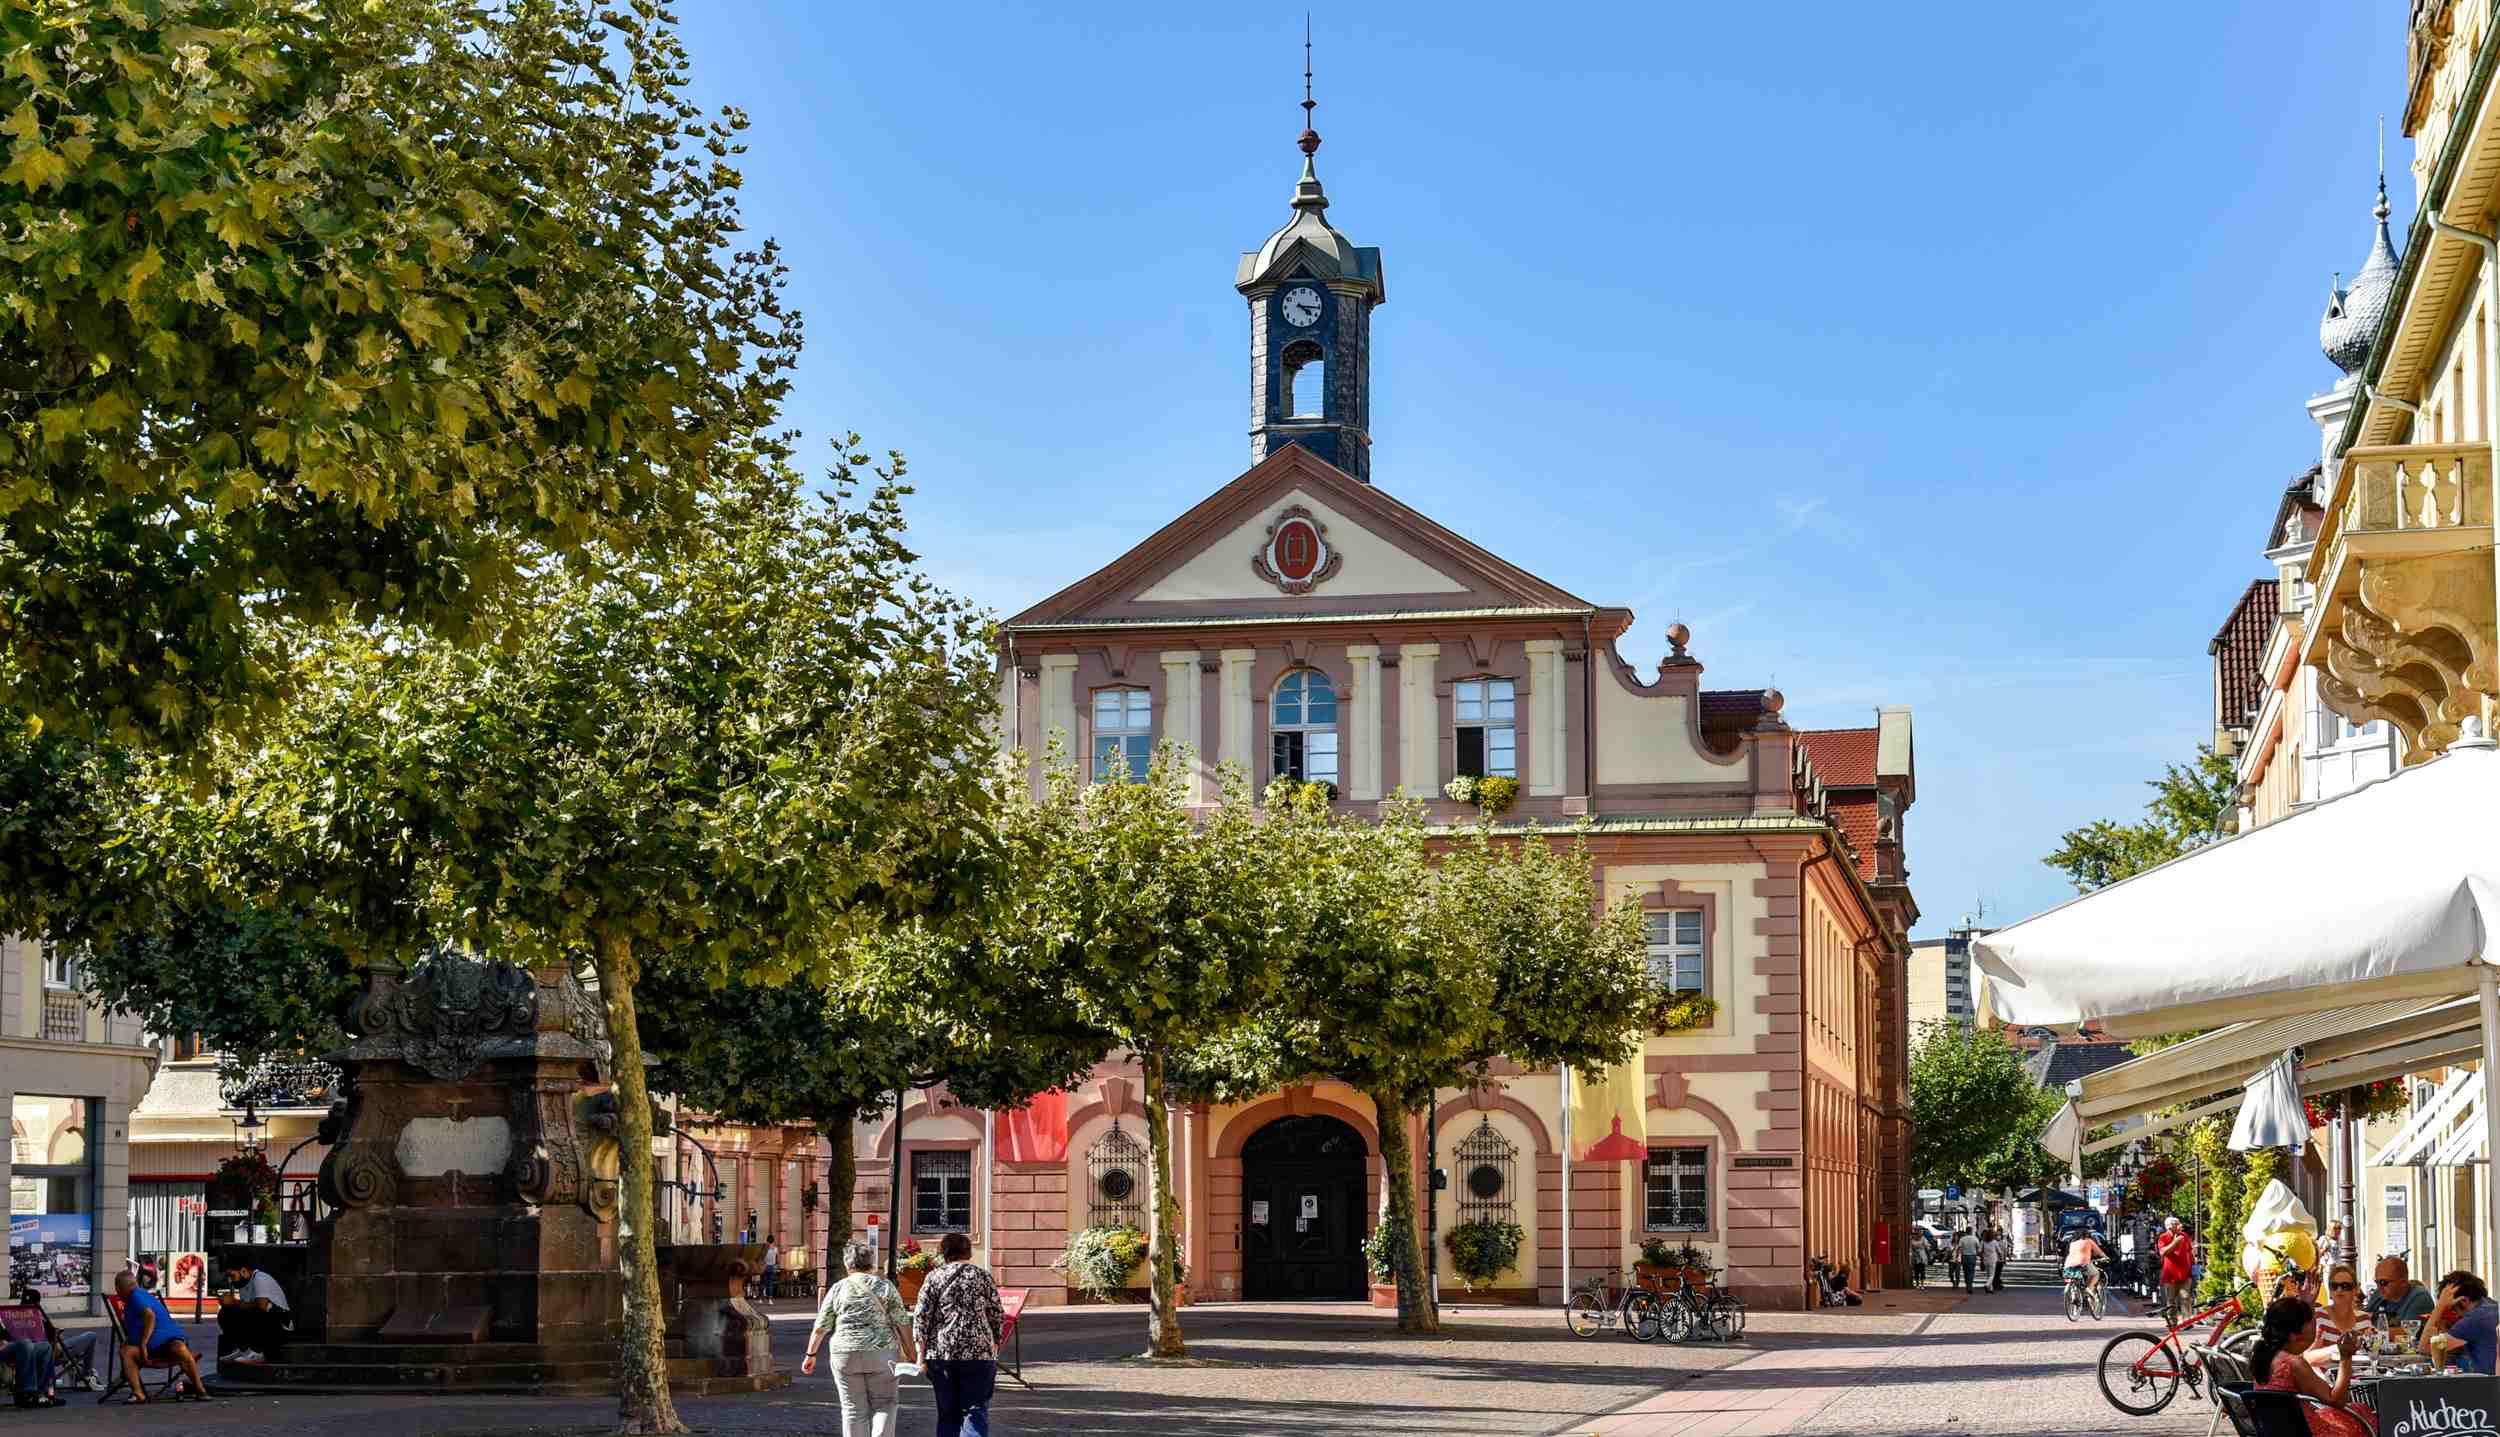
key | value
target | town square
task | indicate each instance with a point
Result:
(773, 717)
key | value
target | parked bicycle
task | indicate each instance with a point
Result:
(1601, 1304)
(1701, 1309)
(2140, 1372)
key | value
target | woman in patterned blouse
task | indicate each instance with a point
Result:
(958, 1321)
(861, 1322)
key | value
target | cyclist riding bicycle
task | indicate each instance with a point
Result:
(2084, 1257)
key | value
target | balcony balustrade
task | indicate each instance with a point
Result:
(2402, 571)
(64, 1016)
(278, 1084)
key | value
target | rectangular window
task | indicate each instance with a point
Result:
(941, 1192)
(1677, 960)
(1488, 731)
(1306, 755)
(1677, 1184)
(188, 1048)
(60, 967)
(1123, 733)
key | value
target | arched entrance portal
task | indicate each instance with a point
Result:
(1303, 1211)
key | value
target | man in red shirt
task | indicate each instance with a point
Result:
(2178, 1264)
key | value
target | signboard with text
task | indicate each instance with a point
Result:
(53, 1253)
(2439, 1407)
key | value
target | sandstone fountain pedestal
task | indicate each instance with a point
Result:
(473, 1242)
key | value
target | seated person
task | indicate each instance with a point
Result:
(2461, 1326)
(252, 1318)
(1836, 1289)
(2291, 1328)
(2396, 1300)
(2342, 1314)
(153, 1333)
(32, 1362)
(71, 1351)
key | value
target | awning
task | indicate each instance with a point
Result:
(2340, 1046)
(2233, 933)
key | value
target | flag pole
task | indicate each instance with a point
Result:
(1566, 1185)
(989, 1189)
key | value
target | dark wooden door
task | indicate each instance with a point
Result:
(1303, 1211)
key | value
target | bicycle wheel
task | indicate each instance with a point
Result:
(1588, 1314)
(1727, 1313)
(2140, 1372)
(1675, 1321)
(1644, 1315)
(2074, 1303)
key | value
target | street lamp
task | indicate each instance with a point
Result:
(249, 1125)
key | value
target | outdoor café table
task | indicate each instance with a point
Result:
(2425, 1406)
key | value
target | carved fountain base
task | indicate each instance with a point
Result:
(473, 1246)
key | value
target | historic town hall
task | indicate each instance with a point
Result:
(1301, 621)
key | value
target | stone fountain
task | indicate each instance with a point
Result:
(472, 1175)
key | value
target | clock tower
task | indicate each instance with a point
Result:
(1311, 295)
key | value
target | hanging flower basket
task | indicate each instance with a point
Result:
(2381, 1099)
(1685, 1013)
(1483, 1250)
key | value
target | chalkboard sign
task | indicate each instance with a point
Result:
(2439, 1407)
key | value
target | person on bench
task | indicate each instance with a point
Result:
(152, 1332)
(252, 1318)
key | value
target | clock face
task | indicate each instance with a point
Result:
(1302, 307)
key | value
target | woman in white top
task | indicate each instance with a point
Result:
(1992, 1258)
(863, 1322)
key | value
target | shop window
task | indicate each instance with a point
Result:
(1123, 733)
(52, 1201)
(1676, 1186)
(1302, 724)
(941, 1192)
(1677, 959)
(1488, 731)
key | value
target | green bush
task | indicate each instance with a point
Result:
(1100, 1260)
(1483, 1250)
(1387, 1249)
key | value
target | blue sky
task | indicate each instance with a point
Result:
(1947, 355)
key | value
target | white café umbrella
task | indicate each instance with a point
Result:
(2390, 891)
(2271, 1113)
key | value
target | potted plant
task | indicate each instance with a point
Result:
(1683, 1013)
(911, 1268)
(1461, 789)
(1692, 1263)
(1495, 794)
(1657, 1263)
(1484, 1249)
(1100, 1261)
(1385, 1250)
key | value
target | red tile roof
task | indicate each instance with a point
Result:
(2237, 650)
(1843, 757)
(1855, 817)
(1725, 713)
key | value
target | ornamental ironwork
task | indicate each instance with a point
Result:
(1488, 1166)
(280, 1081)
(1115, 1181)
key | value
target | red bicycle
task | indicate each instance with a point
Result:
(2141, 1371)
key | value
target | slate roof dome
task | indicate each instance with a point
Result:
(1309, 240)
(2352, 317)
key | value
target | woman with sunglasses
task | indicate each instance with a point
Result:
(2340, 1314)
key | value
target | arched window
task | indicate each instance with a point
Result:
(1306, 380)
(1302, 724)
(1123, 732)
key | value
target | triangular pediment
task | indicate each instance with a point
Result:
(1296, 536)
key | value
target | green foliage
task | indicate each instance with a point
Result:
(1483, 1250)
(249, 982)
(1390, 1249)
(1101, 1260)
(2224, 1201)
(2190, 803)
(1976, 1113)
(1495, 794)
(1685, 1012)
(319, 310)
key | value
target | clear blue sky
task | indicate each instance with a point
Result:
(1949, 356)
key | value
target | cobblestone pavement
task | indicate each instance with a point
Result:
(1325, 1369)
(1999, 1365)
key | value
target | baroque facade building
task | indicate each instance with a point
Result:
(1302, 622)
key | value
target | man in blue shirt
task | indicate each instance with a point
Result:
(2466, 1322)
(151, 1329)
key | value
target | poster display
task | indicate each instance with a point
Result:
(187, 1276)
(54, 1254)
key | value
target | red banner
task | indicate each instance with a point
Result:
(1036, 1132)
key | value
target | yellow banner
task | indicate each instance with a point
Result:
(1610, 1114)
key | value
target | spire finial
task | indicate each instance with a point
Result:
(1310, 137)
(2381, 211)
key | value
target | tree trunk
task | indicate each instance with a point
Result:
(642, 1401)
(840, 1128)
(1416, 1312)
(1163, 1314)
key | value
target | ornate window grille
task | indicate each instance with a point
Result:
(1115, 1181)
(1487, 1166)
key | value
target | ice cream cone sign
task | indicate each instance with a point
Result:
(1610, 1115)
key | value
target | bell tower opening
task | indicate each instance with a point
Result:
(1306, 380)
